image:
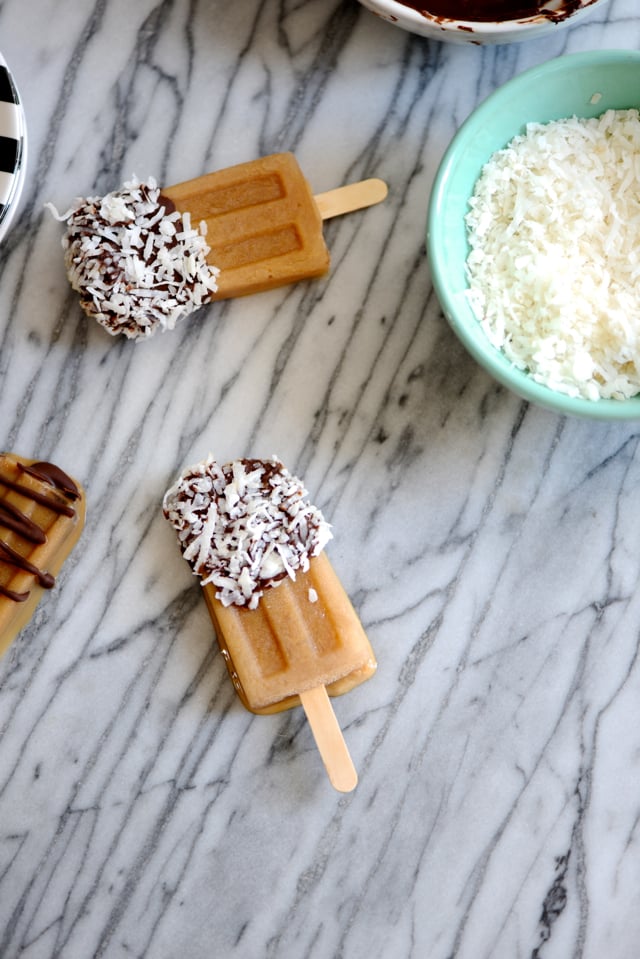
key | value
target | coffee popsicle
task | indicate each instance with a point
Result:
(42, 513)
(285, 625)
(143, 257)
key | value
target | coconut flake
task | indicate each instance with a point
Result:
(554, 266)
(245, 526)
(138, 265)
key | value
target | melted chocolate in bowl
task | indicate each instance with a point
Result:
(488, 10)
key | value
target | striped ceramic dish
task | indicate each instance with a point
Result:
(13, 147)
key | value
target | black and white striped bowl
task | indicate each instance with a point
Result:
(13, 147)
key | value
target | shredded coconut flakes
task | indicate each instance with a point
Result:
(244, 526)
(138, 264)
(554, 267)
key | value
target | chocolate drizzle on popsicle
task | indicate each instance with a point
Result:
(58, 490)
(14, 519)
(48, 473)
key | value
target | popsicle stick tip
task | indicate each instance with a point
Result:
(351, 197)
(329, 739)
(345, 784)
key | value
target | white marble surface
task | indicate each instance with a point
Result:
(490, 547)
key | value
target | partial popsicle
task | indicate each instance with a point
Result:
(42, 512)
(286, 628)
(142, 258)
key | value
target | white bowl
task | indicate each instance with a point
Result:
(559, 13)
(13, 147)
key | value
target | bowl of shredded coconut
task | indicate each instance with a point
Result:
(482, 21)
(533, 234)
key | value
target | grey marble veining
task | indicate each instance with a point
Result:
(490, 547)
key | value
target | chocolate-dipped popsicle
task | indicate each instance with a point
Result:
(285, 625)
(143, 258)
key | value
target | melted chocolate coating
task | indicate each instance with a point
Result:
(484, 11)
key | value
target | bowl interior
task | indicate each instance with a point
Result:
(479, 31)
(585, 85)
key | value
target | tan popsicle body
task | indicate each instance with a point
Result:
(303, 634)
(264, 228)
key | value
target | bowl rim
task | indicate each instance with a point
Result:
(491, 358)
(400, 11)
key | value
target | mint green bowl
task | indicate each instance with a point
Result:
(560, 88)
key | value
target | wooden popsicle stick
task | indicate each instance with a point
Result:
(329, 739)
(353, 196)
